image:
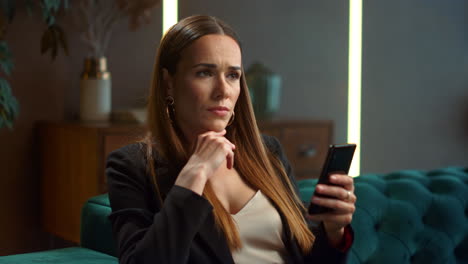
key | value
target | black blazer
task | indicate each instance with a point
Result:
(182, 229)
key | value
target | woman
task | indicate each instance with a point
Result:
(204, 186)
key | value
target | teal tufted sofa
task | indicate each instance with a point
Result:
(403, 217)
(409, 217)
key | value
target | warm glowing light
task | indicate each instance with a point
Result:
(169, 14)
(354, 81)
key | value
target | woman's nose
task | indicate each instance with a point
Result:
(221, 90)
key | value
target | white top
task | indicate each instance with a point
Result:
(260, 229)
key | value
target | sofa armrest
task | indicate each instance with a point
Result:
(96, 229)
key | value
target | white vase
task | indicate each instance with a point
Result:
(95, 91)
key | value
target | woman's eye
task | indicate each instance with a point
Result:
(234, 75)
(204, 73)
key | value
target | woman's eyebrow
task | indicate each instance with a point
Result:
(211, 65)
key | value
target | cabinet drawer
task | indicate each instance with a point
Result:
(271, 131)
(306, 148)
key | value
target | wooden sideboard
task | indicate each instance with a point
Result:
(304, 142)
(73, 156)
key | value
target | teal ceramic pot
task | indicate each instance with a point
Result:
(265, 91)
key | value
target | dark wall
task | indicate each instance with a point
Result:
(415, 85)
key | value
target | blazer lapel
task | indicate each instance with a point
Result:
(215, 241)
(208, 234)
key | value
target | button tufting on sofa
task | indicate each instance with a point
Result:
(409, 217)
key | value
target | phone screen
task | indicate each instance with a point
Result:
(338, 160)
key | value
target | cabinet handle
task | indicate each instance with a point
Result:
(307, 150)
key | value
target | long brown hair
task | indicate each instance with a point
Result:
(257, 166)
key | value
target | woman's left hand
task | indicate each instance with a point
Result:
(342, 202)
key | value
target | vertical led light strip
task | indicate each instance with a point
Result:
(354, 81)
(169, 14)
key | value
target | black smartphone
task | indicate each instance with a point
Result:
(339, 158)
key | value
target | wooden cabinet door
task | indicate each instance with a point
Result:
(306, 148)
(73, 157)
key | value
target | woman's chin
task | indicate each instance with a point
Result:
(217, 126)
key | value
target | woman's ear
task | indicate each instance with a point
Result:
(167, 80)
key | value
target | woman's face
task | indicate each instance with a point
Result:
(206, 84)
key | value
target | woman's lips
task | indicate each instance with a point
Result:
(219, 111)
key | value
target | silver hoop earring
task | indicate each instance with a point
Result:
(231, 120)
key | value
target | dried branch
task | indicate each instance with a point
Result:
(96, 19)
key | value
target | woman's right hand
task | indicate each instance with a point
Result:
(211, 150)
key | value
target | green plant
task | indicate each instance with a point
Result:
(8, 103)
(52, 40)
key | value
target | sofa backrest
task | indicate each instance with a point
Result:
(409, 217)
(96, 229)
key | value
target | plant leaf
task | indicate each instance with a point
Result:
(47, 12)
(3, 119)
(3, 26)
(8, 101)
(62, 39)
(6, 58)
(8, 105)
(50, 20)
(56, 5)
(29, 6)
(52, 5)
(54, 42)
(9, 9)
(45, 41)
